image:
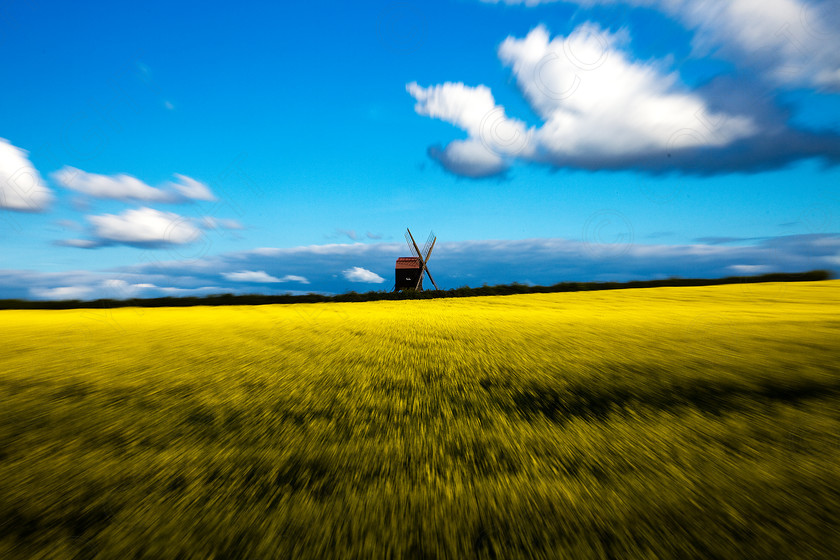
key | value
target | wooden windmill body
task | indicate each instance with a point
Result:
(409, 271)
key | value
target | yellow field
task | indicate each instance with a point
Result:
(666, 422)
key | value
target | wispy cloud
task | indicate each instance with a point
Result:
(128, 188)
(348, 233)
(209, 222)
(713, 240)
(353, 235)
(261, 277)
(63, 292)
(749, 268)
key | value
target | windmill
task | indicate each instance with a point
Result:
(408, 272)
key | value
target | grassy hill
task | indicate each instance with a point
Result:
(676, 422)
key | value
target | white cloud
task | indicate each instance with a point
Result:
(199, 291)
(594, 100)
(492, 135)
(469, 158)
(598, 107)
(127, 188)
(261, 277)
(455, 103)
(359, 274)
(21, 186)
(144, 226)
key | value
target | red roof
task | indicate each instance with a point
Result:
(408, 262)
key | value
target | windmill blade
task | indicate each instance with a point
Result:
(420, 276)
(430, 278)
(411, 246)
(417, 249)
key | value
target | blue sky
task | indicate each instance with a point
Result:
(199, 147)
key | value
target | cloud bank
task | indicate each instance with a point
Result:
(337, 268)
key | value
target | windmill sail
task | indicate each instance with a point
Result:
(410, 242)
(428, 246)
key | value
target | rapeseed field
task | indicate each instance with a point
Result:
(695, 422)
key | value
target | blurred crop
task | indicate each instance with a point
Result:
(697, 422)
